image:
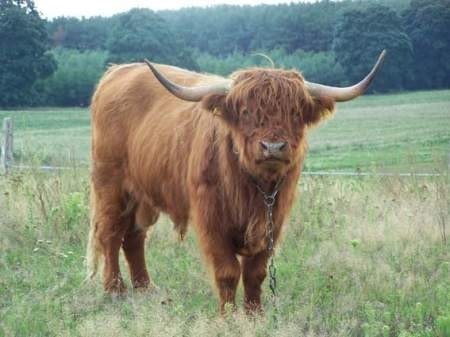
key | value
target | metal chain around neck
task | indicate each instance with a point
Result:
(269, 201)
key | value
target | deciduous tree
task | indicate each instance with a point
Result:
(361, 35)
(23, 52)
(139, 34)
(427, 23)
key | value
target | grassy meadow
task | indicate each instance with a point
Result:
(383, 133)
(361, 256)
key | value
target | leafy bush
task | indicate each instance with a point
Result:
(73, 82)
(75, 209)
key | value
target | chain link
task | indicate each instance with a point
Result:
(271, 244)
(269, 202)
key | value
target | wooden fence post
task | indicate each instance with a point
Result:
(6, 153)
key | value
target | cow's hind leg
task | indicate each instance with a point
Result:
(134, 245)
(110, 222)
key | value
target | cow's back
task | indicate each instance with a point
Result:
(142, 135)
(125, 97)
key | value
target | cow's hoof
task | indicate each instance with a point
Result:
(254, 312)
(116, 288)
(146, 286)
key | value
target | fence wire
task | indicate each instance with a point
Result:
(306, 173)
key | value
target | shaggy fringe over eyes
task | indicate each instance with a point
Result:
(276, 92)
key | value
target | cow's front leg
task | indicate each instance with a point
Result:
(254, 273)
(227, 271)
(212, 229)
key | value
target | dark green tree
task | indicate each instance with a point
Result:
(361, 35)
(81, 34)
(427, 23)
(140, 33)
(23, 52)
(223, 30)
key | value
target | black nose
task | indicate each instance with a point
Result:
(273, 148)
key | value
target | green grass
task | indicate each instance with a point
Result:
(365, 256)
(56, 136)
(360, 257)
(388, 133)
(385, 133)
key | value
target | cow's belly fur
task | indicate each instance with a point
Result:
(250, 245)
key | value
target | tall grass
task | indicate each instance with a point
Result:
(360, 257)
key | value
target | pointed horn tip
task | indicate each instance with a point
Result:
(382, 55)
(266, 57)
(375, 69)
(347, 93)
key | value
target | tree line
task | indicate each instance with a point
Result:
(58, 62)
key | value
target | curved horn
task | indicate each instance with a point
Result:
(347, 93)
(272, 64)
(192, 94)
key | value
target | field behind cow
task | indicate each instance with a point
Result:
(361, 256)
(373, 133)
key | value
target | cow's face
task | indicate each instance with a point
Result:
(268, 112)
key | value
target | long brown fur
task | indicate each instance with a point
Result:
(198, 163)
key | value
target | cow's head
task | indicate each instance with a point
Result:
(267, 112)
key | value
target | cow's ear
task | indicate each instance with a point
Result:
(214, 103)
(319, 109)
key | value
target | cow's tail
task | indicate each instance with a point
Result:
(93, 252)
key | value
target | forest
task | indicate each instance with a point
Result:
(58, 62)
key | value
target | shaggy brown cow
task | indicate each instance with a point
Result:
(204, 153)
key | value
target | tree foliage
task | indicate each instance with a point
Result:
(128, 37)
(85, 34)
(332, 42)
(222, 30)
(362, 34)
(427, 23)
(318, 67)
(72, 84)
(23, 52)
(140, 33)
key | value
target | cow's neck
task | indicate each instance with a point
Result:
(267, 187)
(244, 204)
(243, 185)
